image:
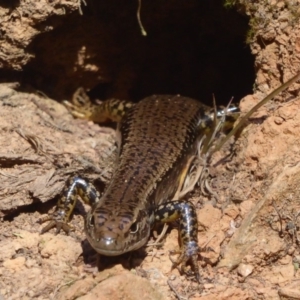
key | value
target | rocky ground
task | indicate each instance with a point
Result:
(248, 227)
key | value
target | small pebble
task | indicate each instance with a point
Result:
(245, 270)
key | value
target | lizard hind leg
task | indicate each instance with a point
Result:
(112, 109)
(80, 106)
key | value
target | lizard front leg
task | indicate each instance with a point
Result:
(74, 187)
(188, 231)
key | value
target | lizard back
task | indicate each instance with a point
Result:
(156, 138)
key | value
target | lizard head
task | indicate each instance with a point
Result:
(113, 233)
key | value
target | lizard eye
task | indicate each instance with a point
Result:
(92, 221)
(134, 228)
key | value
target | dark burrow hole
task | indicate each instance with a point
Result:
(194, 48)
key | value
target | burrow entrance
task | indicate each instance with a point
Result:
(194, 48)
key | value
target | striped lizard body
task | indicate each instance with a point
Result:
(157, 138)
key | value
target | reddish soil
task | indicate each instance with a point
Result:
(248, 228)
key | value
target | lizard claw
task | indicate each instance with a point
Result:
(80, 106)
(55, 221)
(188, 253)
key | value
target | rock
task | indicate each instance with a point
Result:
(245, 270)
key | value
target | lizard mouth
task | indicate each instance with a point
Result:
(110, 246)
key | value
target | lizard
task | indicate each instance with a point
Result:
(157, 141)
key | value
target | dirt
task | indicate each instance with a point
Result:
(21, 22)
(248, 227)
